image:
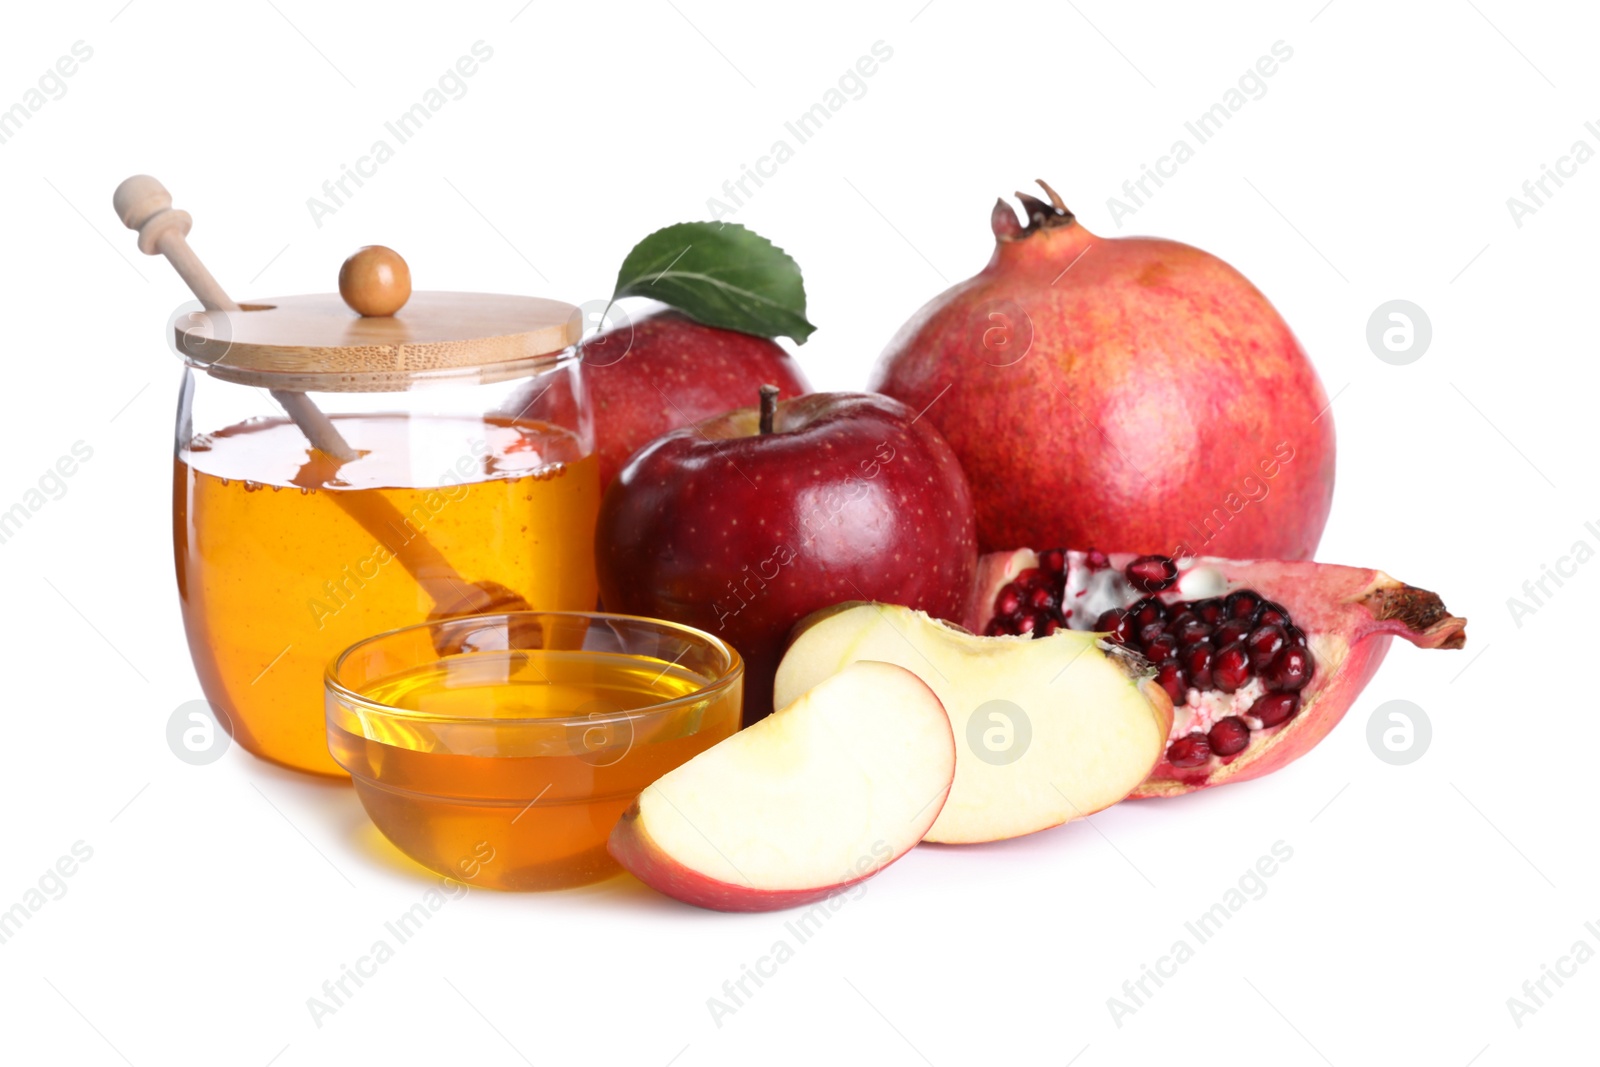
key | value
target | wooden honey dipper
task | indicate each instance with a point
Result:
(145, 206)
(374, 282)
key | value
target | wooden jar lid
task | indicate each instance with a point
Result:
(318, 343)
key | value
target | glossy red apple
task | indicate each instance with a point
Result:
(742, 533)
(665, 371)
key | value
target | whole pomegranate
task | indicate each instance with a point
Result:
(1132, 393)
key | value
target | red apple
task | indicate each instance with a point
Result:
(666, 371)
(743, 533)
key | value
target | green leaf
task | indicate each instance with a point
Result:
(720, 274)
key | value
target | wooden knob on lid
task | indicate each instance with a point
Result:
(375, 282)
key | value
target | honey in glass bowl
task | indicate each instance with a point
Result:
(506, 761)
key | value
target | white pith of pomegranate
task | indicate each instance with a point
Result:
(1261, 658)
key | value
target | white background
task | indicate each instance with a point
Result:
(1377, 166)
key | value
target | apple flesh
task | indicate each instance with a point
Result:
(743, 533)
(665, 371)
(815, 798)
(1047, 729)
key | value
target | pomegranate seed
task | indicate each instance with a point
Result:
(1096, 560)
(1118, 624)
(1209, 611)
(1272, 614)
(1152, 574)
(1230, 668)
(1242, 604)
(1149, 633)
(1169, 676)
(1049, 627)
(1190, 751)
(1147, 611)
(1264, 643)
(1233, 630)
(1275, 708)
(1041, 598)
(1196, 661)
(1290, 671)
(1296, 637)
(1053, 561)
(1029, 578)
(995, 628)
(1228, 736)
(1009, 600)
(1161, 648)
(1191, 632)
(1028, 621)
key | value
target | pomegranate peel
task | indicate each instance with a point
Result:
(1317, 631)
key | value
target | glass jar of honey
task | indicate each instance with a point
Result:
(338, 475)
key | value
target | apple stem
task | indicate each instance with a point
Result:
(769, 407)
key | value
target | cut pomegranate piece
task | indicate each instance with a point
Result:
(1286, 645)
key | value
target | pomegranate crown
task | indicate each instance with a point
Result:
(1041, 216)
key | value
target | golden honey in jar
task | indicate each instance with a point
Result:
(470, 485)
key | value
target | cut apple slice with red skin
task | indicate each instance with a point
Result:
(1350, 616)
(811, 800)
(1046, 731)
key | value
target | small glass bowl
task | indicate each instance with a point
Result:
(499, 750)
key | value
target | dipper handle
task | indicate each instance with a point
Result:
(144, 206)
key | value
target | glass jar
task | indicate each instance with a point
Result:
(474, 487)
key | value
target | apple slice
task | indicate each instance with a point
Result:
(840, 783)
(1047, 730)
